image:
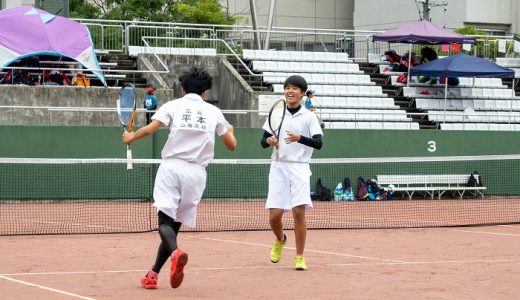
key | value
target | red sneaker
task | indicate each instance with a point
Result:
(149, 281)
(179, 260)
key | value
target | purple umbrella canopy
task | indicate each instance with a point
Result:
(28, 31)
(423, 32)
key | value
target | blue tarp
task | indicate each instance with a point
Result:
(462, 65)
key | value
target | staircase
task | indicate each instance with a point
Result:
(509, 82)
(405, 103)
(120, 62)
(256, 82)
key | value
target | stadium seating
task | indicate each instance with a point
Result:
(512, 63)
(372, 125)
(136, 50)
(345, 96)
(291, 56)
(480, 126)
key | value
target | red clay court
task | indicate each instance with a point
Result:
(431, 263)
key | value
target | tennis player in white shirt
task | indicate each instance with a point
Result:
(181, 177)
(289, 177)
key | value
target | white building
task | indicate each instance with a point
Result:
(492, 16)
(330, 14)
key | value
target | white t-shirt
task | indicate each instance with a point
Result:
(193, 124)
(303, 122)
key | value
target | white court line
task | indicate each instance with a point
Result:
(308, 250)
(476, 261)
(46, 288)
(74, 272)
(512, 226)
(390, 263)
(74, 224)
(485, 232)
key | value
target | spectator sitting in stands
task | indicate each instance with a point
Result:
(428, 54)
(55, 77)
(396, 62)
(415, 60)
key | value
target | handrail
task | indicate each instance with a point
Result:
(214, 40)
(128, 29)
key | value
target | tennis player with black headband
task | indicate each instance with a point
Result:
(289, 177)
(181, 177)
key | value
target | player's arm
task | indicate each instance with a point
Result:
(130, 137)
(265, 139)
(229, 139)
(315, 141)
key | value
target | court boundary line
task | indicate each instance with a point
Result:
(410, 263)
(486, 232)
(45, 288)
(307, 250)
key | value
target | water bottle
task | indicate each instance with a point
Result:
(338, 192)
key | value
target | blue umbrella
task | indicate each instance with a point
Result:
(462, 65)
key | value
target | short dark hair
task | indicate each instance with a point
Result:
(309, 92)
(195, 80)
(296, 80)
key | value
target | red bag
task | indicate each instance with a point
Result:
(403, 78)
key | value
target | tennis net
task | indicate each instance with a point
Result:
(77, 196)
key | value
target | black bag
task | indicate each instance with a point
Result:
(472, 180)
(323, 193)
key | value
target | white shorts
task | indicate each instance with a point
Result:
(289, 185)
(178, 189)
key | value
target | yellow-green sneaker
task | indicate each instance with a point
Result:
(300, 264)
(277, 250)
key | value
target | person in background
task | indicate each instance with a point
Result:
(309, 97)
(181, 177)
(150, 104)
(428, 54)
(309, 103)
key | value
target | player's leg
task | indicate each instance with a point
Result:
(300, 233)
(277, 203)
(168, 231)
(300, 201)
(300, 228)
(192, 181)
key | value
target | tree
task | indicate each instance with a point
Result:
(202, 12)
(177, 11)
(469, 30)
(83, 9)
(485, 46)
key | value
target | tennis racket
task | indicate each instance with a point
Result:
(126, 106)
(275, 120)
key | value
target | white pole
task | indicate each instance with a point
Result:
(511, 99)
(409, 63)
(445, 97)
(272, 6)
(252, 8)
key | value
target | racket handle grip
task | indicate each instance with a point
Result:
(129, 165)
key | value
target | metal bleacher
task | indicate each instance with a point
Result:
(488, 105)
(345, 97)
(512, 63)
